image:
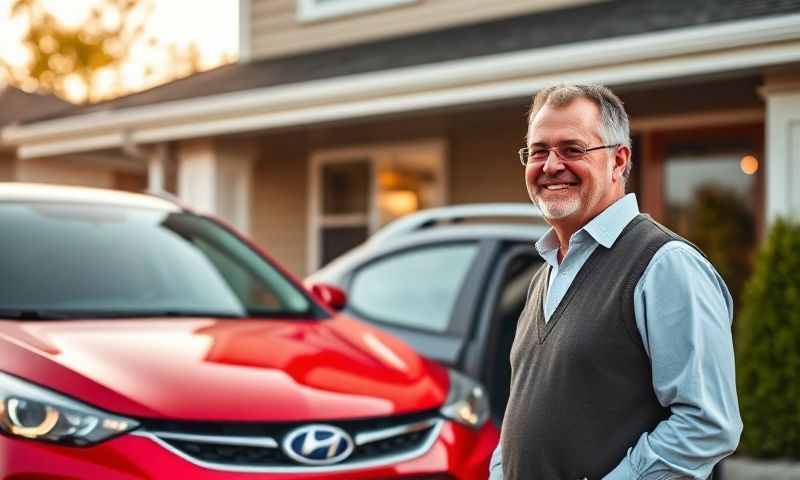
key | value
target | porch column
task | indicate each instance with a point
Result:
(157, 160)
(783, 149)
(214, 177)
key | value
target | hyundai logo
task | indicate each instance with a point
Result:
(318, 445)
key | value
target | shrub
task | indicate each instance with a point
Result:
(768, 348)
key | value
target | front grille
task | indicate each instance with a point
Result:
(258, 446)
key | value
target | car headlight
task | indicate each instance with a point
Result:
(33, 412)
(467, 403)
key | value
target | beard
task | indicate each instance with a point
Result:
(558, 209)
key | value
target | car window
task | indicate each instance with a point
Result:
(416, 288)
(99, 259)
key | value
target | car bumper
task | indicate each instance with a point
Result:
(458, 453)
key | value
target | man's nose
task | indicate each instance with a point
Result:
(553, 163)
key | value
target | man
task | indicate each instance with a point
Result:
(622, 365)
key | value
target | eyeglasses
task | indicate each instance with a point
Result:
(567, 152)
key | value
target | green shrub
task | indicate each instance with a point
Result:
(768, 348)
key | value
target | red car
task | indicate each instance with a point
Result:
(139, 340)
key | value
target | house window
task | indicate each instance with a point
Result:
(355, 191)
(312, 10)
(713, 196)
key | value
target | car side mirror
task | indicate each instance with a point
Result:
(333, 297)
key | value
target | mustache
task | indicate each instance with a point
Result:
(562, 177)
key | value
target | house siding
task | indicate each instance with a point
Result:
(276, 29)
(280, 200)
(59, 171)
(6, 167)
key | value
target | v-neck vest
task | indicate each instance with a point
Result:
(581, 386)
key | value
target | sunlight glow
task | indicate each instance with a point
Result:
(213, 29)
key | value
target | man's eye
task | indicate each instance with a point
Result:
(571, 151)
(539, 154)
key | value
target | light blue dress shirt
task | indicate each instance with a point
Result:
(683, 312)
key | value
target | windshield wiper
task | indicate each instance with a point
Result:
(27, 314)
(30, 314)
(154, 314)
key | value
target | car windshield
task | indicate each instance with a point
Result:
(62, 261)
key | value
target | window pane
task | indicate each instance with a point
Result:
(415, 289)
(710, 201)
(338, 240)
(345, 188)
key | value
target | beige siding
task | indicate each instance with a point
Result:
(58, 171)
(280, 201)
(6, 166)
(483, 164)
(276, 30)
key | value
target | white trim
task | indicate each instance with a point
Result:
(156, 168)
(313, 10)
(658, 56)
(783, 155)
(344, 220)
(245, 31)
(72, 145)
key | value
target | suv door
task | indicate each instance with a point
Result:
(486, 355)
(426, 294)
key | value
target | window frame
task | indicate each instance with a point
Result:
(375, 155)
(313, 11)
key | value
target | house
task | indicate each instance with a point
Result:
(344, 114)
(85, 168)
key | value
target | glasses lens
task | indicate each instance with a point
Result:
(571, 152)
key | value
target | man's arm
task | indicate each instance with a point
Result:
(683, 312)
(496, 465)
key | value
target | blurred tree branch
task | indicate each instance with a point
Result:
(67, 60)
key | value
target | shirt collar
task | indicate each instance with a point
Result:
(605, 228)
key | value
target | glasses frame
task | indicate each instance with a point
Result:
(524, 152)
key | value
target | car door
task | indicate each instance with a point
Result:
(486, 352)
(425, 293)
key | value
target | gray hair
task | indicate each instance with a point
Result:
(615, 128)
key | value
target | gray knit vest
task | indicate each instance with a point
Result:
(581, 384)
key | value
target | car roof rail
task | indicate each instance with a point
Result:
(165, 195)
(455, 214)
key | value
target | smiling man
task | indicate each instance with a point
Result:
(622, 365)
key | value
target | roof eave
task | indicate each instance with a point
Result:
(622, 60)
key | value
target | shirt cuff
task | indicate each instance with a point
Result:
(624, 471)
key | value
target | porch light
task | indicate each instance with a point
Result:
(749, 164)
(399, 202)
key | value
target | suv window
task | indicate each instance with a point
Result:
(416, 288)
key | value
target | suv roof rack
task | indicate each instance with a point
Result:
(164, 195)
(454, 214)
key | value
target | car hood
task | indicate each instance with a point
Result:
(223, 369)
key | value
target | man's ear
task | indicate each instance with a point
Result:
(622, 155)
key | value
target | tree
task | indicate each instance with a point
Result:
(768, 348)
(69, 61)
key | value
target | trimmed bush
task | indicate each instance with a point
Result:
(768, 348)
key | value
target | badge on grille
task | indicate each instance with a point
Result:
(318, 445)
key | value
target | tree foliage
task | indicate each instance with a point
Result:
(722, 225)
(59, 54)
(768, 348)
(64, 60)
